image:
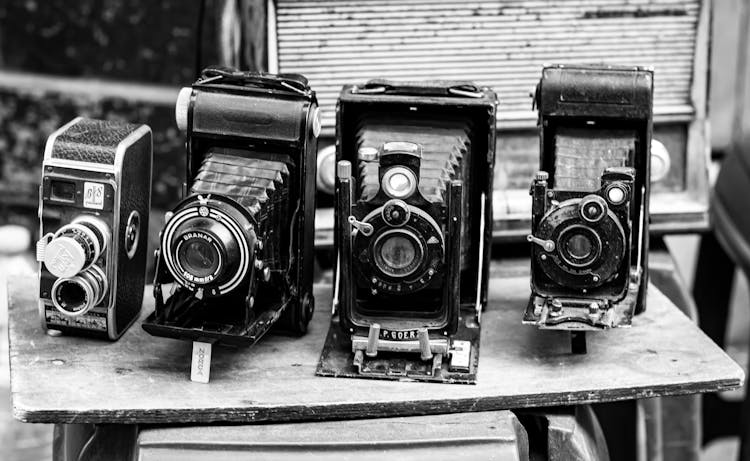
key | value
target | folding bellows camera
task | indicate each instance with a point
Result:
(589, 263)
(413, 214)
(236, 255)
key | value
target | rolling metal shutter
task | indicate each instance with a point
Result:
(501, 44)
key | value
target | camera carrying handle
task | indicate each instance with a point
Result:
(440, 88)
(225, 75)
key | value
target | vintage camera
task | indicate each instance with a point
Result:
(590, 200)
(93, 207)
(414, 178)
(236, 255)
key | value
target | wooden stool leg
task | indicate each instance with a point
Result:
(712, 289)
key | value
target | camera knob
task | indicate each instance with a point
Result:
(368, 154)
(344, 169)
(181, 108)
(541, 176)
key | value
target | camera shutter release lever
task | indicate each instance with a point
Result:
(547, 245)
(365, 228)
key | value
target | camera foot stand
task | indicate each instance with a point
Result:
(200, 367)
(578, 342)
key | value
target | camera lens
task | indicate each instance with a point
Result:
(76, 295)
(198, 257)
(399, 182)
(76, 246)
(398, 253)
(579, 246)
(209, 246)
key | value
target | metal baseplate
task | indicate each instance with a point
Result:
(582, 314)
(432, 359)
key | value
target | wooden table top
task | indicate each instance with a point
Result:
(144, 379)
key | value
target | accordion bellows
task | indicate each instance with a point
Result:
(260, 186)
(446, 151)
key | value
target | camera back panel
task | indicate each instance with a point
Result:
(101, 170)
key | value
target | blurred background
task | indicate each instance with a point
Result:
(126, 60)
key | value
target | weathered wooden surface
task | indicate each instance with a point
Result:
(142, 379)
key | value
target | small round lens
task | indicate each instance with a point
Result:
(198, 257)
(398, 252)
(399, 184)
(616, 195)
(72, 297)
(579, 246)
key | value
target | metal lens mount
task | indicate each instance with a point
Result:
(398, 252)
(74, 296)
(579, 245)
(208, 244)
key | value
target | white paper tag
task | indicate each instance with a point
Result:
(201, 366)
(93, 195)
(461, 356)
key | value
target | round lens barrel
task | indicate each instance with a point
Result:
(199, 257)
(77, 295)
(398, 253)
(579, 246)
(209, 246)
